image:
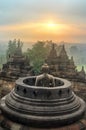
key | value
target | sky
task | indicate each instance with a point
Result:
(33, 20)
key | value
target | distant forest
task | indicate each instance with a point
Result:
(38, 51)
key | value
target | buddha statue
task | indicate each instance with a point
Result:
(45, 79)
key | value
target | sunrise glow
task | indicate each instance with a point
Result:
(45, 20)
(51, 25)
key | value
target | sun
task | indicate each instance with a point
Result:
(51, 25)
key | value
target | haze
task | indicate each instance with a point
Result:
(32, 20)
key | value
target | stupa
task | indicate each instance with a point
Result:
(62, 66)
(43, 101)
(17, 65)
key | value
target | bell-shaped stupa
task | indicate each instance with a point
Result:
(43, 101)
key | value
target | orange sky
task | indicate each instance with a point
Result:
(44, 31)
(57, 20)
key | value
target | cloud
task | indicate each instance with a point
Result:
(41, 31)
(23, 18)
(18, 11)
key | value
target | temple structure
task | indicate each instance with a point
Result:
(42, 102)
(60, 64)
(16, 66)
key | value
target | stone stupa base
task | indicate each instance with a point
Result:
(6, 124)
(42, 102)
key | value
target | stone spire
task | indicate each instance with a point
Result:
(52, 57)
(18, 51)
(72, 61)
(82, 70)
(63, 53)
(53, 53)
(82, 73)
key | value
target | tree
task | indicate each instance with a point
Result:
(38, 54)
(12, 46)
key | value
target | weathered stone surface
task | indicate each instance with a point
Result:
(62, 66)
(17, 66)
(40, 106)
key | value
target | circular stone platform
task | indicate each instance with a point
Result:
(31, 103)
